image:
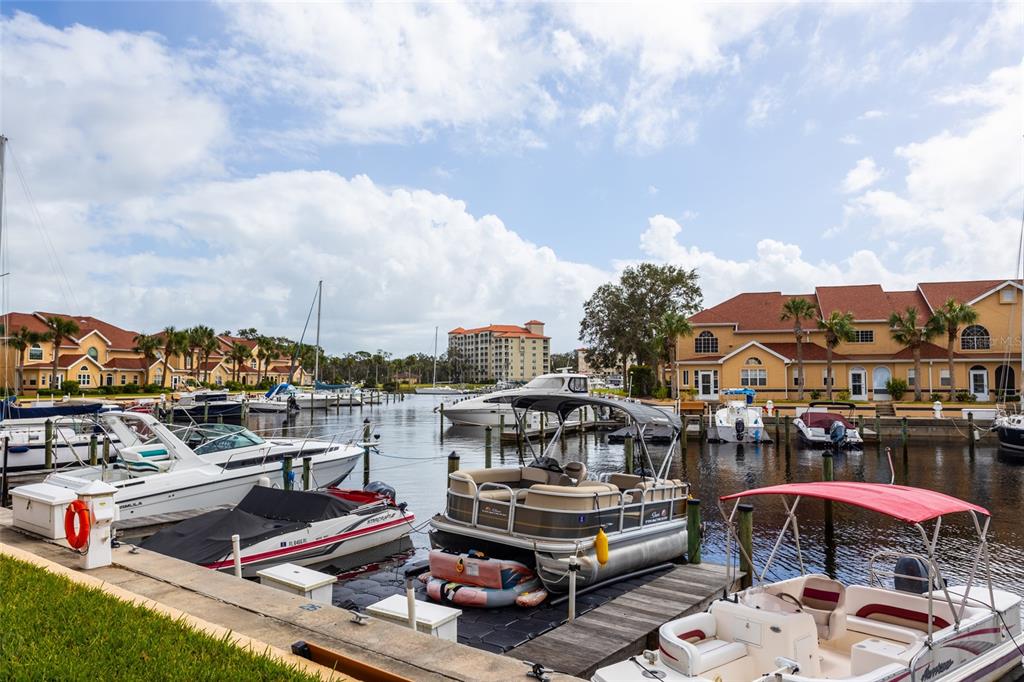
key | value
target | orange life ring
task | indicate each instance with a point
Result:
(77, 538)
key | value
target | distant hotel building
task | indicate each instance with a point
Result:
(502, 351)
(742, 342)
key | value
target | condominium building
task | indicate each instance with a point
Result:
(501, 351)
(742, 342)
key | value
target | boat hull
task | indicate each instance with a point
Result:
(1011, 439)
(232, 410)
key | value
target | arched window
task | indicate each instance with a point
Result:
(753, 361)
(35, 352)
(706, 342)
(93, 353)
(975, 337)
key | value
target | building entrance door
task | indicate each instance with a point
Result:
(978, 381)
(707, 384)
(879, 378)
(858, 384)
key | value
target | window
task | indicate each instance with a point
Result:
(911, 378)
(826, 380)
(753, 361)
(35, 352)
(253, 364)
(944, 377)
(31, 382)
(92, 352)
(975, 337)
(124, 379)
(578, 385)
(753, 377)
(135, 379)
(706, 342)
(1008, 295)
(188, 362)
(83, 377)
(684, 377)
(863, 336)
(110, 380)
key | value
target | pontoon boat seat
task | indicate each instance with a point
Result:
(560, 497)
(668, 490)
(897, 615)
(824, 599)
(690, 646)
(576, 471)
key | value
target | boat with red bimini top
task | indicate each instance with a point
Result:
(812, 628)
(277, 526)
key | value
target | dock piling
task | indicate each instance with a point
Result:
(48, 436)
(206, 412)
(878, 434)
(3, 476)
(970, 433)
(628, 448)
(693, 531)
(286, 472)
(453, 466)
(745, 532)
(306, 462)
(828, 474)
(487, 448)
(785, 431)
(904, 435)
(93, 450)
(236, 554)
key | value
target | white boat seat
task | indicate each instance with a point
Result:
(576, 471)
(560, 497)
(500, 495)
(145, 459)
(688, 645)
(877, 628)
(824, 599)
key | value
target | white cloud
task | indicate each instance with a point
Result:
(764, 103)
(568, 51)
(595, 114)
(849, 139)
(872, 114)
(862, 176)
(652, 190)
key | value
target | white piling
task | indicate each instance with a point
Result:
(236, 554)
(410, 596)
(573, 568)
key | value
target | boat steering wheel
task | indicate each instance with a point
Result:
(785, 596)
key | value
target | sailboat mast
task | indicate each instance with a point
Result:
(316, 361)
(433, 381)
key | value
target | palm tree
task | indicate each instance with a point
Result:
(838, 327)
(206, 349)
(174, 342)
(908, 331)
(671, 326)
(148, 345)
(265, 347)
(20, 341)
(238, 353)
(799, 309)
(199, 338)
(60, 328)
(953, 315)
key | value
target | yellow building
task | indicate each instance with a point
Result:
(742, 342)
(502, 351)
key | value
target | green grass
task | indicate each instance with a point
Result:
(54, 629)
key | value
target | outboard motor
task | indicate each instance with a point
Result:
(837, 433)
(380, 488)
(917, 582)
(740, 427)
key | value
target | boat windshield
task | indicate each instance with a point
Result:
(207, 438)
(545, 383)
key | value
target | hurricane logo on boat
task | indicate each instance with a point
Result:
(937, 669)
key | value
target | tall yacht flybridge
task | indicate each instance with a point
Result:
(543, 513)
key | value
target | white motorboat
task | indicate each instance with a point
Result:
(157, 473)
(1010, 429)
(488, 409)
(812, 628)
(739, 421)
(541, 514)
(205, 404)
(819, 427)
(443, 389)
(275, 526)
(291, 395)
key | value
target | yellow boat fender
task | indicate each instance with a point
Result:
(601, 546)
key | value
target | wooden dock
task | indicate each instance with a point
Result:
(511, 433)
(628, 624)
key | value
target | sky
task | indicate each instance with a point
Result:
(465, 164)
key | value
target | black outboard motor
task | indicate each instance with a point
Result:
(547, 463)
(740, 428)
(837, 433)
(380, 488)
(917, 583)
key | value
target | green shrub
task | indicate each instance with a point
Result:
(843, 395)
(234, 386)
(110, 390)
(937, 396)
(963, 396)
(390, 387)
(70, 387)
(896, 387)
(815, 394)
(154, 388)
(641, 380)
(661, 392)
(130, 388)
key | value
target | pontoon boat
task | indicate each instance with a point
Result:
(542, 513)
(813, 628)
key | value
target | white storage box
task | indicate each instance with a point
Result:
(433, 619)
(39, 508)
(304, 582)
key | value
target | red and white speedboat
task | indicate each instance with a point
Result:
(916, 628)
(289, 526)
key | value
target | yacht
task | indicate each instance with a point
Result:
(158, 473)
(907, 622)
(542, 513)
(73, 425)
(739, 421)
(488, 409)
(1010, 430)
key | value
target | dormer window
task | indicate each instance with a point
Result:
(706, 342)
(753, 361)
(35, 352)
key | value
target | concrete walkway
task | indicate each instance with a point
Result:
(278, 618)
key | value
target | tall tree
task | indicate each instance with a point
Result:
(249, 333)
(22, 340)
(838, 327)
(148, 345)
(953, 315)
(671, 326)
(208, 344)
(620, 321)
(174, 341)
(798, 310)
(238, 353)
(61, 328)
(908, 330)
(266, 350)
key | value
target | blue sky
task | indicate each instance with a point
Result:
(465, 164)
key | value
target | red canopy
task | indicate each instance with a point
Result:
(912, 505)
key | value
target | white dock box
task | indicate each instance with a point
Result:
(39, 508)
(304, 582)
(433, 619)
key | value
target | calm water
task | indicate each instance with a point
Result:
(413, 459)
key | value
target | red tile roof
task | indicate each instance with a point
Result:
(812, 351)
(757, 311)
(901, 300)
(937, 293)
(68, 359)
(865, 301)
(502, 330)
(532, 322)
(126, 363)
(227, 341)
(120, 339)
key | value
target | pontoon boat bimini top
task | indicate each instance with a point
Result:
(564, 405)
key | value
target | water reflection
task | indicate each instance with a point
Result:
(413, 458)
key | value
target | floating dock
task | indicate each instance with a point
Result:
(627, 624)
